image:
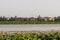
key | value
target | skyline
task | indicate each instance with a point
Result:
(29, 8)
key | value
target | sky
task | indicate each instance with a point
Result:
(29, 8)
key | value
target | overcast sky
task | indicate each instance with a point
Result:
(29, 8)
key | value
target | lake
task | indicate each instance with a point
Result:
(30, 27)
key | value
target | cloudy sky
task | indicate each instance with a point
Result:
(29, 8)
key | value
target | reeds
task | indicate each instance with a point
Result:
(52, 35)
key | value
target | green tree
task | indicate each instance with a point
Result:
(58, 18)
(39, 18)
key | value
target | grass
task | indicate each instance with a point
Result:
(53, 35)
(27, 22)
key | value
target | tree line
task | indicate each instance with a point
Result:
(39, 18)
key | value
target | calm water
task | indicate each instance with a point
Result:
(30, 27)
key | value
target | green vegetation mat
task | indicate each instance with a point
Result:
(27, 22)
(30, 36)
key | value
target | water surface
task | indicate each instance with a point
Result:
(30, 27)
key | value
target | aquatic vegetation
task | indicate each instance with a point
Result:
(30, 36)
(27, 22)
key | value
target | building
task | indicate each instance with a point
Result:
(19, 19)
(45, 18)
(51, 19)
(32, 19)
